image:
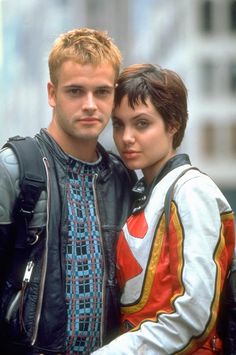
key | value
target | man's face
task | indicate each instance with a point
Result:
(82, 101)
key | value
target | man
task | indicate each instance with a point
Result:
(69, 306)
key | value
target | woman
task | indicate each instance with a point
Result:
(171, 278)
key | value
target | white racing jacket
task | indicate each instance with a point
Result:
(171, 285)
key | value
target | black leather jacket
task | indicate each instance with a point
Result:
(35, 315)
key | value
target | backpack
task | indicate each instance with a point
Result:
(32, 181)
(227, 315)
(32, 178)
(25, 242)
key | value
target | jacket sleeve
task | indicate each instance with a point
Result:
(9, 182)
(200, 206)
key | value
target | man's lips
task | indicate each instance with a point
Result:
(89, 120)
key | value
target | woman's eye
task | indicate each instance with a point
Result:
(142, 124)
(116, 124)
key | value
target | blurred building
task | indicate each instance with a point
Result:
(197, 38)
(27, 31)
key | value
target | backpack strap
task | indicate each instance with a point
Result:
(32, 178)
(169, 197)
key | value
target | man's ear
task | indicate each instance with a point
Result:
(51, 94)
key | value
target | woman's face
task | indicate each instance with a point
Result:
(142, 138)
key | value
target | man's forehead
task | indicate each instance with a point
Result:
(87, 74)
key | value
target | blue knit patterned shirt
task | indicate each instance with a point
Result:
(84, 263)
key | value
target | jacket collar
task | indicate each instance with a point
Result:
(56, 150)
(142, 192)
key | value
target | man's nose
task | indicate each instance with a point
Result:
(89, 103)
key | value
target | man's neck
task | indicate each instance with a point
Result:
(85, 150)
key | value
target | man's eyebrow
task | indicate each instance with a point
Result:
(105, 87)
(78, 86)
(73, 86)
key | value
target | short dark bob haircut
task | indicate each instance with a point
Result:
(163, 87)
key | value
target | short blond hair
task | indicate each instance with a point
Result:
(84, 46)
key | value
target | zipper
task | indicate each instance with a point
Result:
(102, 245)
(17, 302)
(25, 282)
(44, 266)
(18, 299)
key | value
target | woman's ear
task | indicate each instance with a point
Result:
(173, 129)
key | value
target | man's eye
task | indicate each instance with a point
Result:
(75, 91)
(103, 92)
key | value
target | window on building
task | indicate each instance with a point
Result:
(232, 77)
(233, 139)
(207, 16)
(232, 15)
(208, 71)
(208, 139)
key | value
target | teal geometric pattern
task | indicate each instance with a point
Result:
(83, 260)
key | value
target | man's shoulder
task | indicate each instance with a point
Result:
(8, 160)
(9, 181)
(19, 154)
(22, 174)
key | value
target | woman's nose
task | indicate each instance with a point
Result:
(128, 136)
